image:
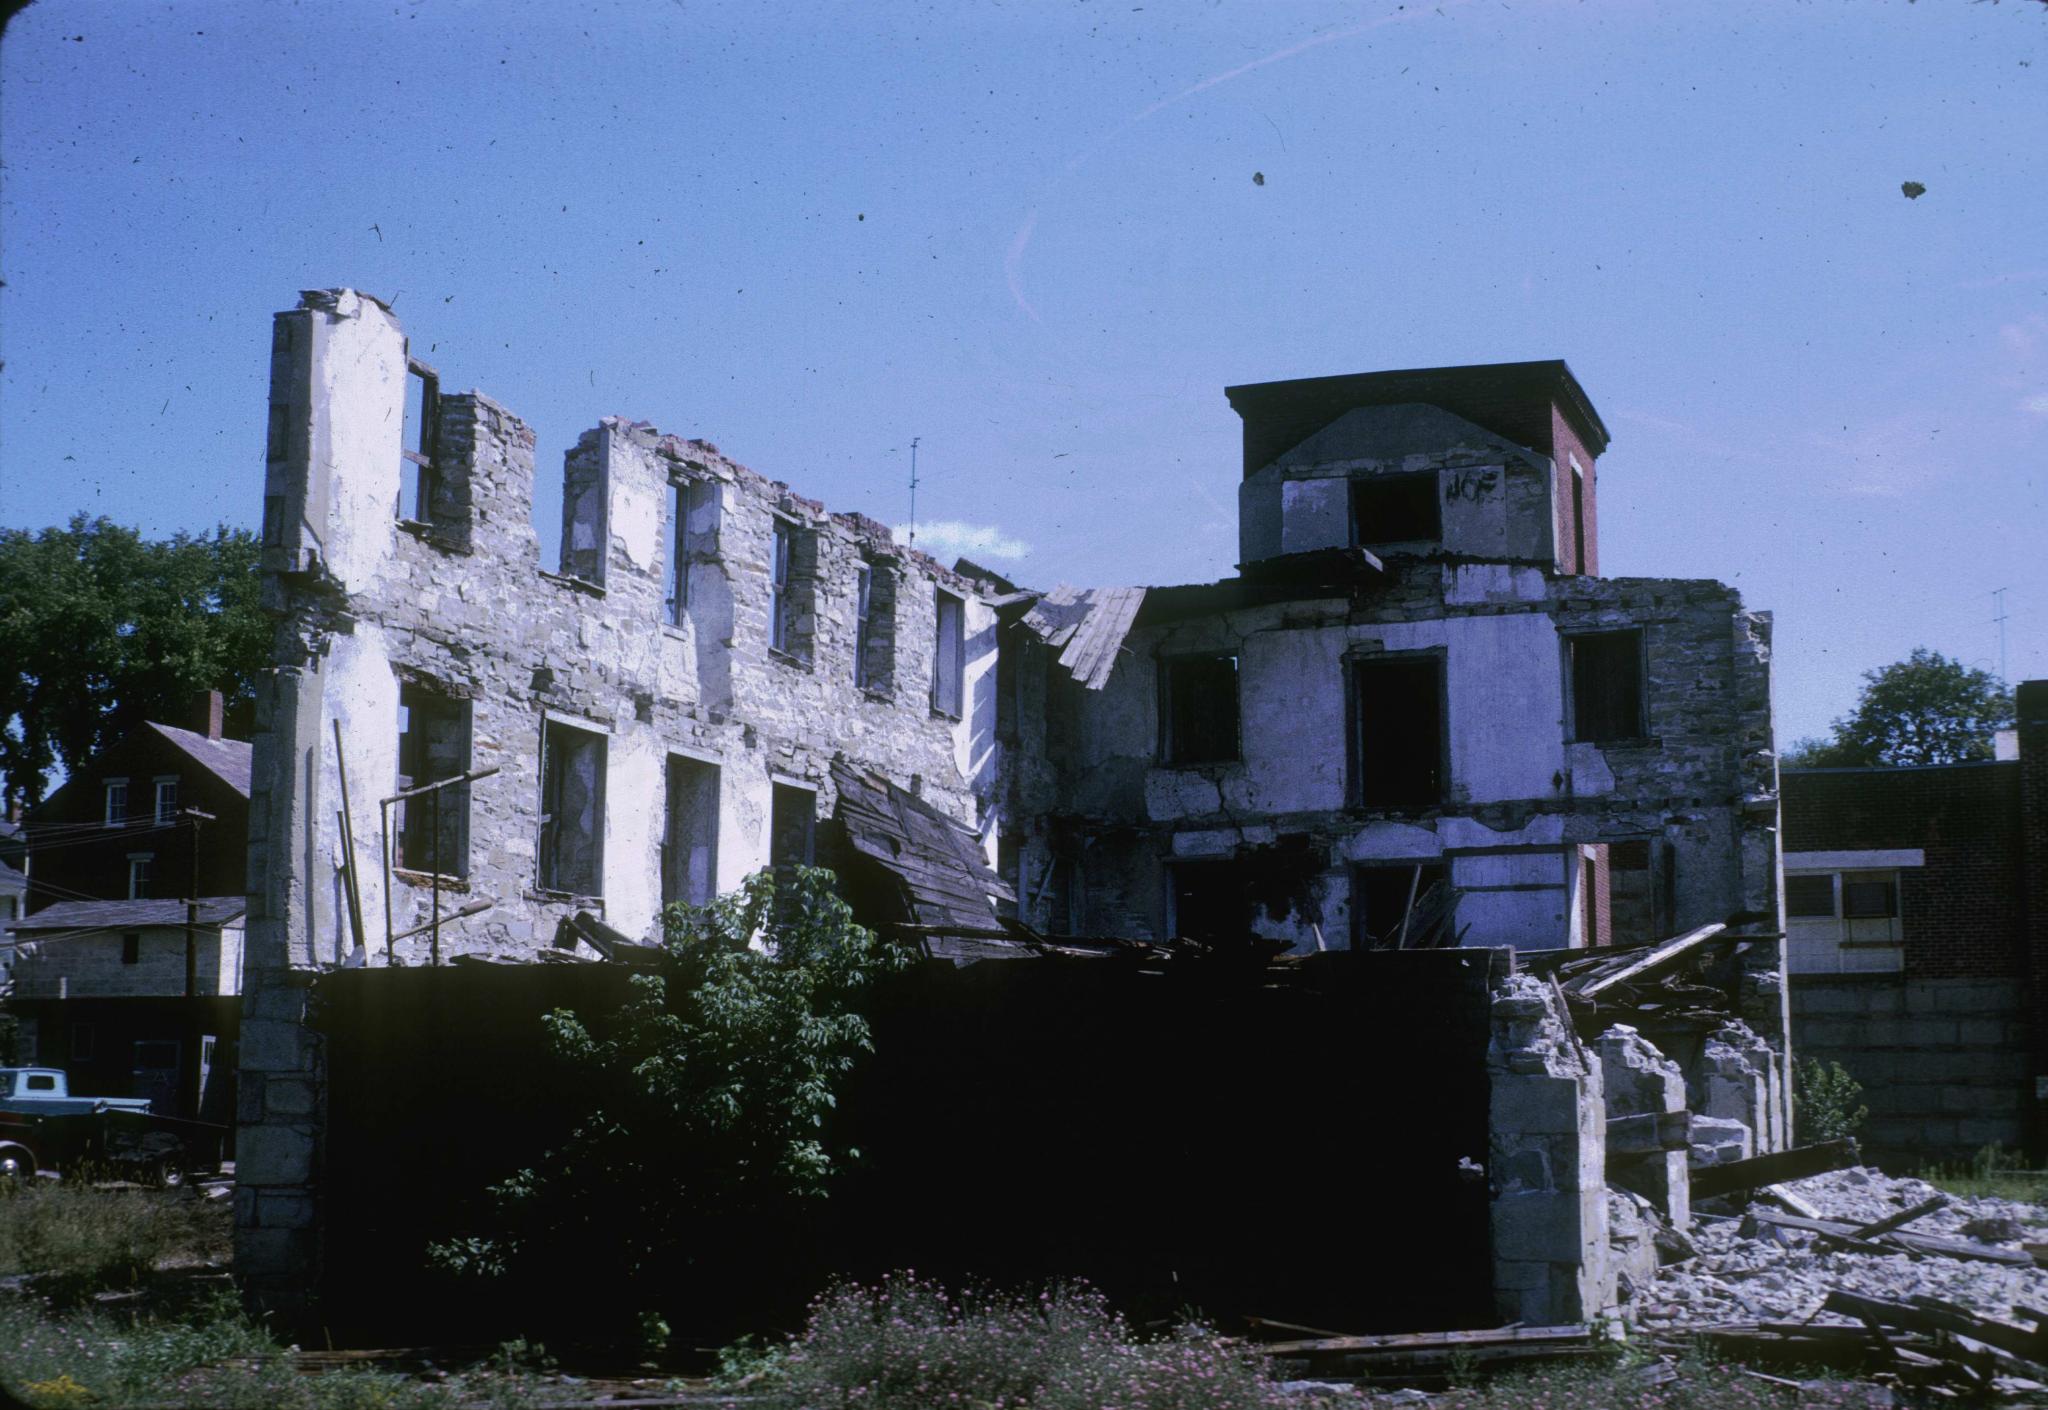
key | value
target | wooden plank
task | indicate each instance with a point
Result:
(1899, 1220)
(1761, 1170)
(1669, 952)
(1797, 1203)
(1569, 1334)
(1928, 1314)
(1911, 1243)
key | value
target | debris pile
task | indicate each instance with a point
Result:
(1861, 1271)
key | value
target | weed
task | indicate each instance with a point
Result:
(1993, 1173)
(1826, 1102)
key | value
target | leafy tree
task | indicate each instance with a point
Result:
(1926, 709)
(101, 629)
(708, 1093)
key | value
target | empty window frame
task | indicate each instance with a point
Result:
(140, 864)
(117, 802)
(1398, 737)
(1844, 922)
(1396, 509)
(689, 847)
(1578, 517)
(433, 745)
(793, 827)
(1382, 894)
(692, 534)
(131, 948)
(1208, 900)
(166, 810)
(949, 656)
(1606, 674)
(1198, 709)
(874, 634)
(572, 769)
(417, 481)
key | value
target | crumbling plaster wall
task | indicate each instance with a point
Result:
(461, 605)
(1519, 794)
(1496, 497)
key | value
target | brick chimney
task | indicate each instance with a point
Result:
(207, 710)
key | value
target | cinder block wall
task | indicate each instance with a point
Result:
(1944, 1062)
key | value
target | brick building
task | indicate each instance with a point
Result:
(1915, 903)
(116, 978)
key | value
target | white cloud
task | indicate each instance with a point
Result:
(941, 537)
(2036, 404)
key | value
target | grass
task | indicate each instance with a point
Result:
(124, 1300)
(1993, 1173)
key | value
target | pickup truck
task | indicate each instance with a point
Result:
(45, 1091)
(43, 1127)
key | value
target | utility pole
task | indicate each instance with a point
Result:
(913, 489)
(1998, 594)
(194, 1028)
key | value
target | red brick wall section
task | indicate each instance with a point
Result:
(1963, 913)
(1565, 443)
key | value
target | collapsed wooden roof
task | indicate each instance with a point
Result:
(941, 875)
(1089, 625)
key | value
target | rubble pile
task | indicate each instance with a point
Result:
(1750, 1269)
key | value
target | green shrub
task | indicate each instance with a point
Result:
(709, 1090)
(904, 1344)
(75, 1240)
(1826, 1102)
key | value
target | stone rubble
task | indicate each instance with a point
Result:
(1783, 1275)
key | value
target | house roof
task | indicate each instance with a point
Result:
(1089, 625)
(226, 759)
(1510, 399)
(128, 915)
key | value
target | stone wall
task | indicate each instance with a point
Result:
(1697, 791)
(91, 966)
(458, 606)
(1944, 1062)
(1547, 1162)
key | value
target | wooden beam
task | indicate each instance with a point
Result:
(1911, 1243)
(1761, 1170)
(1658, 956)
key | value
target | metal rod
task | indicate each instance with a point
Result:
(348, 838)
(473, 908)
(444, 783)
(435, 884)
(384, 837)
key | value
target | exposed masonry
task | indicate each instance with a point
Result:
(1595, 756)
(456, 618)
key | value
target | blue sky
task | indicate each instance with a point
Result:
(1030, 235)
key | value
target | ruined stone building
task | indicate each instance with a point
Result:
(1416, 716)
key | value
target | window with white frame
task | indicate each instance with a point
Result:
(1842, 912)
(139, 866)
(117, 802)
(166, 800)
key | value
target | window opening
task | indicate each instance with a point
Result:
(572, 809)
(166, 801)
(792, 828)
(1578, 517)
(1607, 686)
(40, 1082)
(1395, 509)
(433, 744)
(131, 948)
(416, 468)
(117, 802)
(1869, 897)
(1199, 709)
(780, 611)
(1381, 896)
(689, 849)
(1399, 732)
(1208, 900)
(139, 867)
(1810, 896)
(863, 619)
(949, 660)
